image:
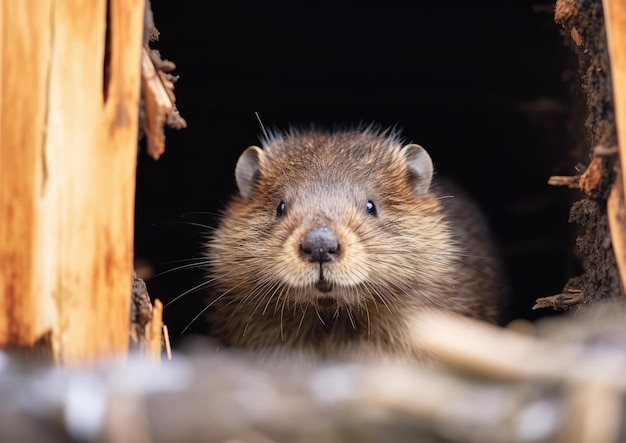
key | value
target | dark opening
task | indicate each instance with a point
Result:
(489, 88)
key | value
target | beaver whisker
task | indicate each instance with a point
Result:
(351, 317)
(274, 292)
(319, 315)
(195, 263)
(189, 291)
(282, 290)
(267, 290)
(212, 214)
(193, 320)
(369, 322)
(203, 311)
(304, 311)
(262, 294)
(186, 223)
(282, 317)
(376, 293)
(260, 286)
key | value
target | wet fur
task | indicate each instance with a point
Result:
(427, 251)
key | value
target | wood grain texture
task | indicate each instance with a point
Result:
(25, 42)
(615, 25)
(72, 174)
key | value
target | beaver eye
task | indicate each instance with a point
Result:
(280, 210)
(370, 207)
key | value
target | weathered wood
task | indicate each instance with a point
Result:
(617, 224)
(159, 101)
(156, 330)
(70, 94)
(25, 58)
(615, 26)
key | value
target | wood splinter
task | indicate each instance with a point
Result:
(148, 334)
(159, 101)
(561, 302)
(155, 341)
(589, 182)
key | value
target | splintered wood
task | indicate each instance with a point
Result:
(147, 332)
(156, 330)
(70, 87)
(159, 101)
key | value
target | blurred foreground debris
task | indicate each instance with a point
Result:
(565, 384)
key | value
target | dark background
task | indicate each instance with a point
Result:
(489, 88)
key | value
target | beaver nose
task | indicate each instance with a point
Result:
(320, 245)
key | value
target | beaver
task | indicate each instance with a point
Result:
(337, 238)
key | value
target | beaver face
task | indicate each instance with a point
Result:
(319, 230)
(331, 221)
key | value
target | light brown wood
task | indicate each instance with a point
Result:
(615, 25)
(504, 354)
(159, 101)
(617, 226)
(154, 335)
(158, 105)
(167, 344)
(487, 349)
(67, 174)
(24, 61)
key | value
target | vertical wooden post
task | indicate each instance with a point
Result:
(615, 26)
(24, 61)
(69, 99)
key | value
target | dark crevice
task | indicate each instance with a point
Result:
(106, 65)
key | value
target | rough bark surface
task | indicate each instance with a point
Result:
(583, 23)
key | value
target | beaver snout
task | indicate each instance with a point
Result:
(320, 245)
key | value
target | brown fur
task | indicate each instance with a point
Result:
(419, 252)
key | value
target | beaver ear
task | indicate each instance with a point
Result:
(247, 170)
(420, 167)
